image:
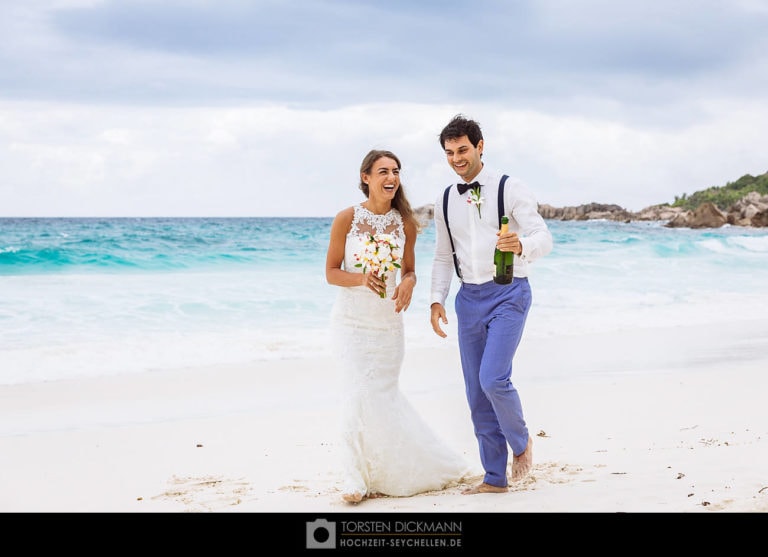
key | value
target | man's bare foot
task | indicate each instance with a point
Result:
(355, 497)
(484, 488)
(522, 463)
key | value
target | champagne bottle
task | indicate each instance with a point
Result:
(504, 260)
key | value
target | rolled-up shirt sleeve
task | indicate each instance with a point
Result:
(442, 264)
(530, 226)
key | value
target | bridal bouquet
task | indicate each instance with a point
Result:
(381, 254)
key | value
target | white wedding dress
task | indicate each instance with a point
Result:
(387, 447)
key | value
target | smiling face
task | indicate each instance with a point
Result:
(463, 157)
(383, 180)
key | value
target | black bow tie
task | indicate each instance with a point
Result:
(464, 187)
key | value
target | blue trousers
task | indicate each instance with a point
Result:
(491, 318)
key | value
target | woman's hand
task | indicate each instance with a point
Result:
(372, 282)
(404, 292)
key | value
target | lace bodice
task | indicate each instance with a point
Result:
(365, 222)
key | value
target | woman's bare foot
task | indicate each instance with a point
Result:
(522, 463)
(484, 488)
(355, 497)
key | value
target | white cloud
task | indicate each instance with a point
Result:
(71, 160)
(176, 108)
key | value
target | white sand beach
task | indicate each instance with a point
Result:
(658, 420)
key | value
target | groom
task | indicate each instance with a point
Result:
(490, 316)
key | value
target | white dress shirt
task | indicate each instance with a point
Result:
(474, 236)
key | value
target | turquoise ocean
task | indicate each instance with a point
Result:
(104, 296)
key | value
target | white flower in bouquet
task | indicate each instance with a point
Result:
(381, 254)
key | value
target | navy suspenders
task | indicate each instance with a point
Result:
(445, 216)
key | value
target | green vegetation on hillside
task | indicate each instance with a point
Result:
(724, 196)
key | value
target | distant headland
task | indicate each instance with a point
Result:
(740, 203)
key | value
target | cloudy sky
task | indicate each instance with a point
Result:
(266, 107)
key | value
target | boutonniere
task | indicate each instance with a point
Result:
(476, 199)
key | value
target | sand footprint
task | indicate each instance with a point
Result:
(206, 493)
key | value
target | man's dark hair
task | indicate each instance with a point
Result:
(459, 126)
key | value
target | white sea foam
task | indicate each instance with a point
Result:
(600, 278)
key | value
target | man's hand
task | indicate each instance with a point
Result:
(438, 314)
(509, 241)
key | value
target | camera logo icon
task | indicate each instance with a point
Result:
(321, 534)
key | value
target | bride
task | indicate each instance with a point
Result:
(388, 449)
